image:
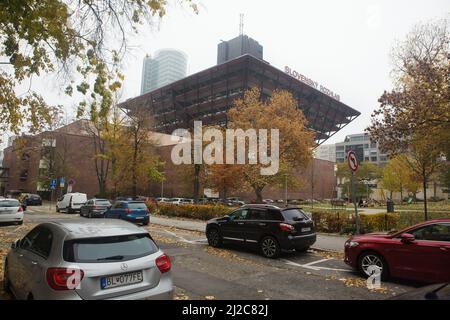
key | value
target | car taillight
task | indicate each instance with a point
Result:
(20, 209)
(127, 211)
(286, 227)
(64, 278)
(163, 263)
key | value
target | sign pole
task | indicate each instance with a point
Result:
(353, 164)
(354, 203)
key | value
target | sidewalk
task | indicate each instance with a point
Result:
(324, 241)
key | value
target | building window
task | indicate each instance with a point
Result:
(373, 159)
(24, 175)
(48, 142)
(25, 156)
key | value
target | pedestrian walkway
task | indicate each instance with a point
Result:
(324, 241)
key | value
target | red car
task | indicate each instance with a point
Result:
(420, 252)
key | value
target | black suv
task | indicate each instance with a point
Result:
(269, 227)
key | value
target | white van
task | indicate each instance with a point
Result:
(71, 202)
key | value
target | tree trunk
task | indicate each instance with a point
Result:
(401, 195)
(196, 182)
(425, 207)
(258, 193)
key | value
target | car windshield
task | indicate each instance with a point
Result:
(116, 248)
(137, 205)
(294, 215)
(9, 203)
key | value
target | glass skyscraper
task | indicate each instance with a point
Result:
(166, 67)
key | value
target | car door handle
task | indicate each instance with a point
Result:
(262, 224)
(240, 223)
(445, 248)
(34, 263)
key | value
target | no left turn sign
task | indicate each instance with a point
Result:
(352, 161)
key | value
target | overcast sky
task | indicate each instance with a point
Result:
(344, 45)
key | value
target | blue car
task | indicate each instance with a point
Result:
(132, 211)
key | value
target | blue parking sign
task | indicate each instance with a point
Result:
(53, 184)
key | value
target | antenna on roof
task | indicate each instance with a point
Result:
(241, 24)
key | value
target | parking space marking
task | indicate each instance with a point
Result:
(199, 241)
(315, 268)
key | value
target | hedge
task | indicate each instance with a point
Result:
(199, 212)
(329, 221)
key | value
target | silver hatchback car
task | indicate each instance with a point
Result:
(88, 259)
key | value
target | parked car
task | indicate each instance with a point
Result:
(132, 211)
(439, 291)
(269, 227)
(163, 200)
(420, 252)
(176, 201)
(71, 202)
(268, 201)
(32, 200)
(187, 201)
(11, 211)
(94, 208)
(61, 261)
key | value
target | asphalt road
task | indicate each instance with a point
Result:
(202, 272)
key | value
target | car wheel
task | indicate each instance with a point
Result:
(368, 260)
(20, 223)
(146, 223)
(6, 283)
(57, 209)
(270, 247)
(214, 238)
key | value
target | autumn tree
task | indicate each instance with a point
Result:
(82, 41)
(414, 118)
(398, 176)
(295, 143)
(366, 172)
(137, 162)
(224, 178)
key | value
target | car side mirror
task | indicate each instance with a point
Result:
(407, 238)
(226, 218)
(15, 244)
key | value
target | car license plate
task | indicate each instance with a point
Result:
(139, 218)
(306, 229)
(123, 279)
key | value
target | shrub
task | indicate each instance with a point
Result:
(200, 212)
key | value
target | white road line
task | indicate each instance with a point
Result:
(318, 261)
(316, 268)
(183, 239)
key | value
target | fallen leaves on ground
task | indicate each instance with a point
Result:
(226, 254)
(329, 254)
(9, 234)
(361, 283)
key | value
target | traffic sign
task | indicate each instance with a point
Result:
(352, 161)
(61, 182)
(71, 182)
(53, 184)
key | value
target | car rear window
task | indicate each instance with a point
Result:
(137, 205)
(9, 203)
(294, 214)
(109, 249)
(102, 202)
